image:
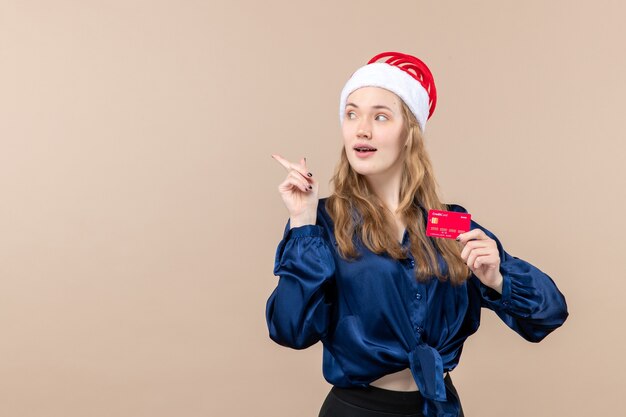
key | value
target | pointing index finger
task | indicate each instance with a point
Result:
(290, 165)
(282, 161)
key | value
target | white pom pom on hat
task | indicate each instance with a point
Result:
(405, 75)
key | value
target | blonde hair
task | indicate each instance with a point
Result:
(377, 226)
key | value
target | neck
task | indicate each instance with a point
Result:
(386, 186)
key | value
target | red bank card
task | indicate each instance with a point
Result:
(447, 224)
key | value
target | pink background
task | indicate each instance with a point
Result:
(140, 214)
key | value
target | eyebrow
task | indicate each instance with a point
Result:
(378, 106)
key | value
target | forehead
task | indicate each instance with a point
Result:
(372, 96)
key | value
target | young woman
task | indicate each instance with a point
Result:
(391, 305)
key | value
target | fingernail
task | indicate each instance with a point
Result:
(309, 174)
(458, 238)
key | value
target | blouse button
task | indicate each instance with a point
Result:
(418, 296)
(418, 329)
(412, 262)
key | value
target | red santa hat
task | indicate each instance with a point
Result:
(405, 75)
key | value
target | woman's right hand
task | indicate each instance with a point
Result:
(299, 192)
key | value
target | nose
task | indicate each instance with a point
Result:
(363, 134)
(364, 131)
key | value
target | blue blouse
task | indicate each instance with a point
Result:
(374, 318)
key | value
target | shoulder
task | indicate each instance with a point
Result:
(321, 206)
(456, 208)
(322, 213)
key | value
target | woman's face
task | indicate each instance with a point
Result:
(373, 118)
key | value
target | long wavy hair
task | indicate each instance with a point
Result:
(377, 227)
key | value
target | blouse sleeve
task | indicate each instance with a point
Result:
(530, 303)
(299, 308)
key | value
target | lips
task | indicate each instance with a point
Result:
(364, 151)
(362, 147)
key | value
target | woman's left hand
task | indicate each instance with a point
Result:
(480, 253)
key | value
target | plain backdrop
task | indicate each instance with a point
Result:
(139, 210)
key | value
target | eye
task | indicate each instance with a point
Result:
(382, 115)
(350, 114)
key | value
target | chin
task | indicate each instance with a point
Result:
(361, 170)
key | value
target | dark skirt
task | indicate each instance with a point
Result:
(372, 401)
